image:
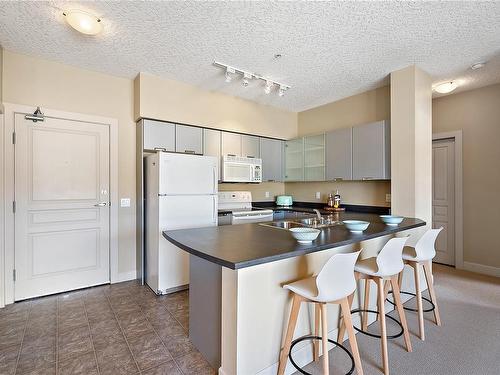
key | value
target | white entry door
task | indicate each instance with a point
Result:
(62, 206)
(443, 199)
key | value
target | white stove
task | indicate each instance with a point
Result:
(238, 204)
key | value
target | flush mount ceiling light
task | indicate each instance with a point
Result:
(478, 65)
(231, 71)
(446, 87)
(83, 22)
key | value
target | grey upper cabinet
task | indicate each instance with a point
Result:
(339, 154)
(271, 153)
(212, 145)
(231, 144)
(371, 151)
(159, 135)
(188, 139)
(250, 146)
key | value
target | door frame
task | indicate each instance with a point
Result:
(459, 238)
(7, 188)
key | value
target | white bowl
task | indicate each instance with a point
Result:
(391, 220)
(356, 226)
(304, 235)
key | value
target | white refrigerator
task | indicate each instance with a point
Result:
(180, 193)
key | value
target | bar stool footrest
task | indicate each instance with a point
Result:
(399, 334)
(414, 295)
(300, 339)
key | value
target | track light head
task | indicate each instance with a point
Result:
(269, 86)
(282, 90)
(229, 72)
(246, 78)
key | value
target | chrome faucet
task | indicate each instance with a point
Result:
(318, 214)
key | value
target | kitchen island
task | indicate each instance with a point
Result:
(238, 309)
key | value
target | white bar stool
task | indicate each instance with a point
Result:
(385, 267)
(333, 284)
(421, 256)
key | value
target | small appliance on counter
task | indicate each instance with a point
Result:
(235, 207)
(284, 200)
(333, 202)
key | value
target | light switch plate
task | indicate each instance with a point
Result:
(318, 195)
(388, 198)
(125, 202)
(267, 194)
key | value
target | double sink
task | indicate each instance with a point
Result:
(311, 222)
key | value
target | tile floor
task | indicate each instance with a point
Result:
(114, 329)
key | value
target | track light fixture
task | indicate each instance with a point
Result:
(231, 71)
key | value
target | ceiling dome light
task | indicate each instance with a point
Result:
(478, 65)
(83, 22)
(445, 88)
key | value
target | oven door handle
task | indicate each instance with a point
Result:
(250, 217)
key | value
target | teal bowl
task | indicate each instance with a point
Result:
(391, 220)
(356, 226)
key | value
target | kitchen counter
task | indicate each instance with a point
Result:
(241, 246)
(237, 305)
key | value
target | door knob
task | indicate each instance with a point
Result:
(102, 204)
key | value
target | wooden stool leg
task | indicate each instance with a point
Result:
(419, 301)
(401, 312)
(400, 278)
(364, 317)
(324, 334)
(386, 292)
(317, 317)
(383, 329)
(432, 293)
(341, 332)
(294, 313)
(346, 313)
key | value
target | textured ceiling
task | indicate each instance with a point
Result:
(330, 50)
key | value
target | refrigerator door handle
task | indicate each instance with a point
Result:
(214, 211)
(214, 170)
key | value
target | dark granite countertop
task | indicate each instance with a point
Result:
(246, 245)
(309, 206)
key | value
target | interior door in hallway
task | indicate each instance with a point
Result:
(443, 198)
(62, 206)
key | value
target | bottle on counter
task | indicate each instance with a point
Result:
(336, 199)
(331, 201)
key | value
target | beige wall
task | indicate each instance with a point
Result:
(258, 190)
(477, 114)
(411, 143)
(370, 193)
(169, 100)
(370, 106)
(37, 82)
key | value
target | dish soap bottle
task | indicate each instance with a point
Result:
(336, 199)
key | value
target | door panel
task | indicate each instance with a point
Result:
(212, 147)
(443, 199)
(159, 135)
(250, 146)
(339, 154)
(271, 152)
(187, 174)
(62, 238)
(231, 144)
(188, 139)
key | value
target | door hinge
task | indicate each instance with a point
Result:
(14, 275)
(13, 138)
(14, 206)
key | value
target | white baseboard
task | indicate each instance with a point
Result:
(125, 276)
(481, 268)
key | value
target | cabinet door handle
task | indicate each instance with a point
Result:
(102, 204)
(250, 156)
(231, 155)
(190, 152)
(337, 179)
(368, 178)
(160, 149)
